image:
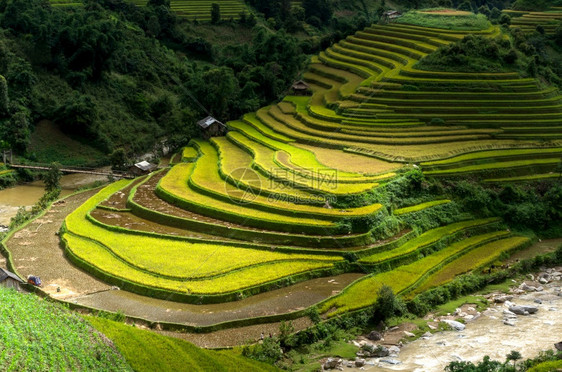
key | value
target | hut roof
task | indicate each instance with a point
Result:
(208, 121)
(300, 85)
(5, 274)
(145, 166)
(393, 14)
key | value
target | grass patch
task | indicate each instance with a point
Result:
(149, 351)
(454, 21)
(49, 144)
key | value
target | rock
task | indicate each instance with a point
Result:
(359, 362)
(558, 346)
(409, 334)
(538, 301)
(441, 343)
(532, 277)
(468, 317)
(543, 281)
(431, 326)
(509, 314)
(331, 363)
(380, 351)
(470, 308)
(394, 350)
(539, 288)
(374, 336)
(526, 287)
(509, 323)
(427, 334)
(509, 303)
(502, 299)
(390, 361)
(559, 294)
(457, 326)
(523, 309)
(552, 309)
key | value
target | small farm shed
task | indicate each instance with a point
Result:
(142, 168)
(10, 280)
(300, 88)
(391, 15)
(211, 127)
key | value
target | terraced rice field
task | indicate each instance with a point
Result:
(528, 21)
(194, 10)
(286, 195)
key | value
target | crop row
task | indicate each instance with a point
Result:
(420, 207)
(472, 260)
(487, 156)
(424, 240)
(206, 179)
(94, 258)
(133, 248)
(158, 211)
(362, 293)
(547, 163)
(175, 189)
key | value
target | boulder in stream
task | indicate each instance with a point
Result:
(457, 326)
(359, 362)
(558, 346)
(523, 309)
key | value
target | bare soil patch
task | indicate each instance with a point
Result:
(36, 250)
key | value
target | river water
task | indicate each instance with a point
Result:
(11, 199)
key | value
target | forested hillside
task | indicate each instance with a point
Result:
(121, 76)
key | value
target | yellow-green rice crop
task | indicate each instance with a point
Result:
(363, 292)
(172, 257)
(425, 239)
(495, 165)
(189, 154)
(105, 262)
(472, 260)
(494, 154)
(532, 177)
(206, 175)
(419, 207)
(176, 184)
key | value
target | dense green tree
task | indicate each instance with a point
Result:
(18, 131)
(215, 13)
(322, 9)
(4, 99)
(52, 178)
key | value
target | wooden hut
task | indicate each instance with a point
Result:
(300, 88)
(10, 280)
(142, 168)
(211, 127)
(391, 15)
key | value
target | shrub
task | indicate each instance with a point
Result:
(387, 304)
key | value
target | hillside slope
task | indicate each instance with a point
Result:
(38, 335)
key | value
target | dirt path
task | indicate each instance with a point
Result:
(36, 251)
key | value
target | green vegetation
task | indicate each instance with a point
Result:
(306, 186)
(149, 351)
(441, 18)
(40, 335)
